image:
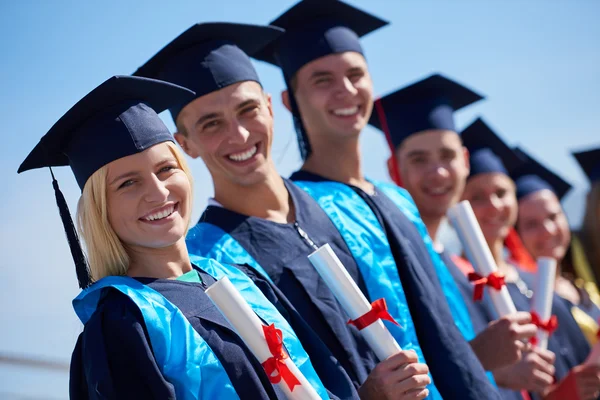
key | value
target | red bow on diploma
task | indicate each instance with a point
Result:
(378, 311)
(275, 366)
(495, 280)
(548, 326)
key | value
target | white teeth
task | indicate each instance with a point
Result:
(245, 155)
(437, 191)
(346, 111)
(161, 214)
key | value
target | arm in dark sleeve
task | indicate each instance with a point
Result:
(334, 377)
(116, 356)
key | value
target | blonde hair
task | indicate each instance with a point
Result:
(106, 253)
(590, 230)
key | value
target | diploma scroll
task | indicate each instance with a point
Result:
(463, 220)
(543, 292)
(354, 302)
(264, 341)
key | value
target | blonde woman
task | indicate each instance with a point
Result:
(150, 331)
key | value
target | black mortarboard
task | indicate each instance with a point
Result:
(314, 29)
(208, 57)
(589, 160)
(531, 176)
(117, 119)
(426, 104)
(488, 152)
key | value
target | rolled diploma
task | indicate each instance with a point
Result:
(353, 300)
(542, 295)
(463, 220)
(247, 324)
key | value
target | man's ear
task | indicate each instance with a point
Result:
(467, 162)
(182, 140)
(285, 99)
(269, 100)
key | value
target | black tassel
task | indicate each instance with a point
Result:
(301, 136)
(81, 267)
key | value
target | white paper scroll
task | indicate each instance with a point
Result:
(353, 300)
(247, 324)
(463, 220)
(543, 291)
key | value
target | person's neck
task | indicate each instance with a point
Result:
(338, 161)
(268, 199)
(433, 225)
(163, 263)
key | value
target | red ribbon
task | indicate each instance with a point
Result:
(548, 326)
(495, 280)
(378, 311)
(275, 366)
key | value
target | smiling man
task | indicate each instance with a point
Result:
(259, 219)
(330, 96)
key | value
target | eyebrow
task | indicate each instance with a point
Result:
(207, 117)
(131, 174)
(414, 153)
(317, 74)
(356, 69)
(246, 103)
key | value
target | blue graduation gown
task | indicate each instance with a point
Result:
(456, 370)
(116, 339)
(113, 357)
(281, 252)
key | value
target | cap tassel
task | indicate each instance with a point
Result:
(81, 267)
(303, 143)
(518, 253)
(395, 168)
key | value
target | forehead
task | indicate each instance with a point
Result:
(222, 99)
(333, 63)
(542, 200)
(489, 182)
(431, 141)
(147, 158)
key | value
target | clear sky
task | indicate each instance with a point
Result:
(536, 61)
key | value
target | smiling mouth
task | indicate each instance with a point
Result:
(160, 214)
(437, 191)
(346, 112)
(245, 155)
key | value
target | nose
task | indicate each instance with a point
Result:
(548, 228)
(495, 203)
(156, 190)
(440, 171)
(346, 88)
(238, 133)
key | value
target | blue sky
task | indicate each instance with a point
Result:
(537, 62)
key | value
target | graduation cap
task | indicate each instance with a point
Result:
(117, 119)
(208, 57)
(426, 104)
(589, 161)
(531, 176)
(488, 152)
(314, 29)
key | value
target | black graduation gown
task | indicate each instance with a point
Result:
(456, 371)
(282, 252)
(567, 342)
(113, 356)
